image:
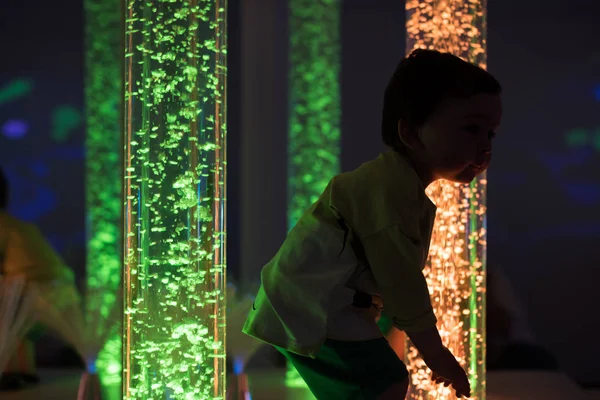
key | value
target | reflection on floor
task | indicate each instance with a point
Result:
(268, 385)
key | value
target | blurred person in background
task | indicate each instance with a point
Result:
(24, 252)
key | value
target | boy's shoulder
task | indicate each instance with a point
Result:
(389, 176)
(380, 193)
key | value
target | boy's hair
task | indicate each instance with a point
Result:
(421, 82)
(3, 190)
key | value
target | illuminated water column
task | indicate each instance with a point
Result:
(315, 112)
(314, 96)
(175, 164)
(456, 268)
(104, 148)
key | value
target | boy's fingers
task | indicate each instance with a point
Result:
(461, 395)
(462, 391)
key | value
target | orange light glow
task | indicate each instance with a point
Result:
(455, 270)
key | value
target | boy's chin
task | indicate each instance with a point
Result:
(461, 180)
(466, 176)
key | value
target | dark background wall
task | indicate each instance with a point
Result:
(544, 190)
(544, 221)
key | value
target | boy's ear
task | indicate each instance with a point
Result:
(408, 135)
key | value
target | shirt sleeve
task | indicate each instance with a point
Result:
(396, 262)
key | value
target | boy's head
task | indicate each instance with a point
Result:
(442, 112)
(3, 191)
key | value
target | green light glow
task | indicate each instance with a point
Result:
(315, 111)
(15, 89)
(65, 119)
(103, 98)
(175, 137)
(596, 140)
(577, 137)
(314, 90)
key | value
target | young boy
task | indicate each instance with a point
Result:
(25, 252)
(363, 244)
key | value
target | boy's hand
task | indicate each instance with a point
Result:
(448, 371)
(440, 360)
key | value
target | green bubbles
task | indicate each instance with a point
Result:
(315, 112)
(315, 117)
(175, 146)
(103, 146)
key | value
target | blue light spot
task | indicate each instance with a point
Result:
(238, 366)
(15, 129)
(597, 92)
(91, 365)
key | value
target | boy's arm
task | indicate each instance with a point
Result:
(428, 342)
(396, 263)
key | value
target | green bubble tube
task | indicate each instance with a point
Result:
(314, 95)
(315, 110)
(175, 191)
(103, 183)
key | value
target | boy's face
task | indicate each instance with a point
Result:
(457, 138)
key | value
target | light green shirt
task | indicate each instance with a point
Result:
(369, 231)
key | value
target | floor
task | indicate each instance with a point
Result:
(268, 385)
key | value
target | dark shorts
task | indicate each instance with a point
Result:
(350, 370)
